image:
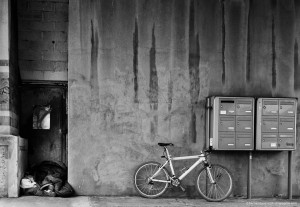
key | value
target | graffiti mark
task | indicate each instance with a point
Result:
(135, 61)
(4, 91)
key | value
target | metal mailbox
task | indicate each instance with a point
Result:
(227, 107)
(227, 123)
(244, 141)
(244, 107)
(270, 107)
(286, 124)
(287, 108)
(286, 141)
(269, 124)
(276, 123)
(227, 140)
(244, 124)
(231, 123)
(269, 141)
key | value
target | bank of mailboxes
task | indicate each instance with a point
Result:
(276, 124)
(232, 121)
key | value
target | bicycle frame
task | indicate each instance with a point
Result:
(201, 158)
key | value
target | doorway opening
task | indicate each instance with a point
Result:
(43, 121)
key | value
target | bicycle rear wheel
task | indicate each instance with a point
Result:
(147, 188)
(219, 190)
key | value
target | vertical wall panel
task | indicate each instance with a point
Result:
(285, 36)
(235, 19)
(260, 49)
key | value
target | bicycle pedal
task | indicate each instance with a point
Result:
(182, 188)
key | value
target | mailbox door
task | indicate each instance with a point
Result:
(244, 140)
(286, 124)
(244, 107)
(227, 123)
(269, 124)
(227, 140)
(244, 124)
(287, 107)
(270, 107)
(269, 141)
(227, 107)
(286, 141)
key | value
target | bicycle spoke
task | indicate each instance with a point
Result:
(220, 189)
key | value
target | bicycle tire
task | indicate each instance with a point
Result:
(218, 191)
(141, 182)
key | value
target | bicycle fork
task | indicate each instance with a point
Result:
(208, 170)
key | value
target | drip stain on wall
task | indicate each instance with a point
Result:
(273, 45)
(153, 85)
(223, 42)
(296, 66)
(248, 63)
(135, 61)
(94, 68)
(194, 61)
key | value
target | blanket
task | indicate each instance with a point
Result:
(51, 180)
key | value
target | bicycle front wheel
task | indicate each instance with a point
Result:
(147, 188)
(219, 190)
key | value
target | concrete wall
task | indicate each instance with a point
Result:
(139, 73)
(43, 31)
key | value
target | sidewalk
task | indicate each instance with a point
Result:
(97, 201)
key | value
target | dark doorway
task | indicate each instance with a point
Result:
(44, 122)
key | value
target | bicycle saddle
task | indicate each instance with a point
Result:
(165, 144)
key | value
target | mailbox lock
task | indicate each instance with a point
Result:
(264, 107)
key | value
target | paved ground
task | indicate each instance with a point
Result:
(95, 201)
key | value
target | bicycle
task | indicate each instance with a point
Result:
(152, 179)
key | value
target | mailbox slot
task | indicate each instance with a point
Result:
(227, 107)
(270, 107)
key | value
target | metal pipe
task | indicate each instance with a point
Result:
(249, 196)
(207, 129)
(290, 174)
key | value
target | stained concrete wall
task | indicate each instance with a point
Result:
(139, 73)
